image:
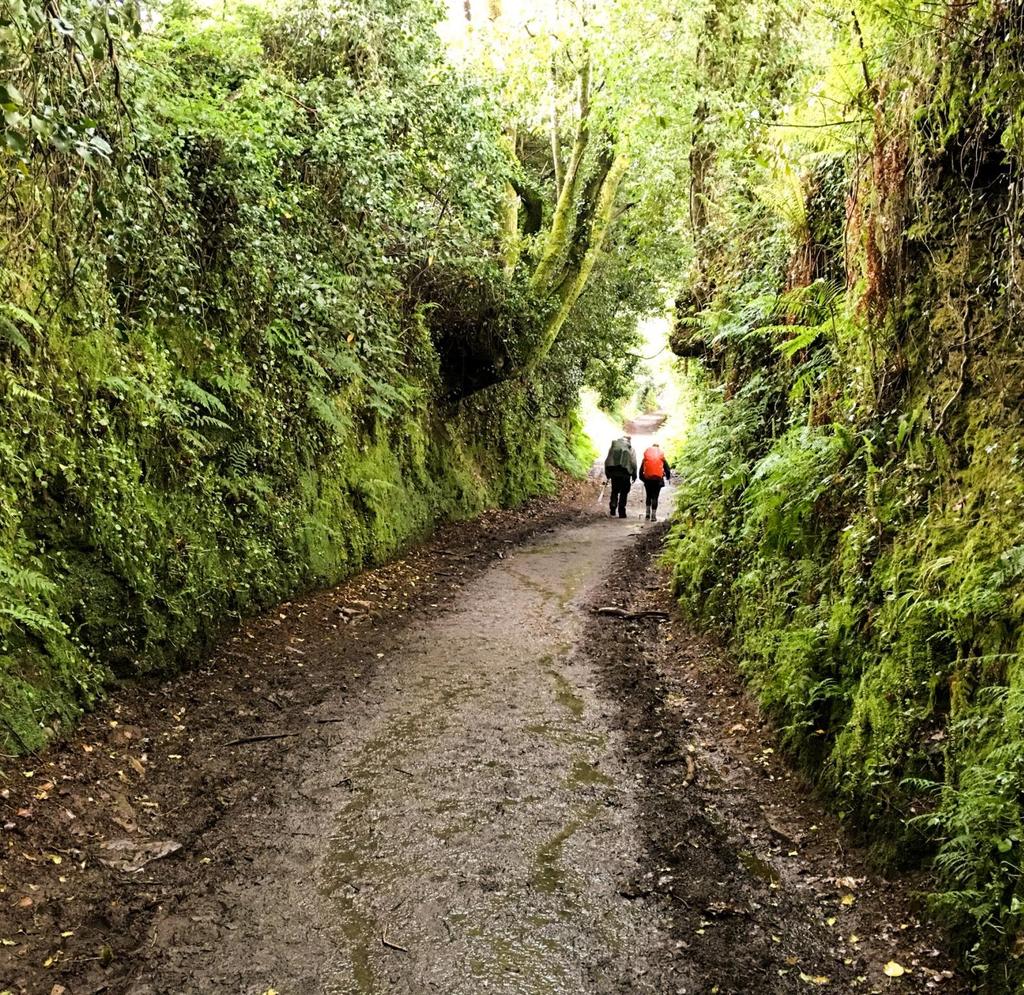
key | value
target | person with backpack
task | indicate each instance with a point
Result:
(620, 469)
(654, 471)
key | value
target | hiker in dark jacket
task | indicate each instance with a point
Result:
(654, 471)
(620, 469)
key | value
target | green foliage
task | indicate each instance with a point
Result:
(232, 337)
(849, 511)
(569, 448)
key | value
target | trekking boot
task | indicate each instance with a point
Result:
(648, 514)
(654, 516)
(611, 511)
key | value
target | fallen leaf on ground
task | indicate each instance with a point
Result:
(894, 970)
(814, 979)
(847, 900)
(133, 855)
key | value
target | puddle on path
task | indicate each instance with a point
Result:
(759, 867)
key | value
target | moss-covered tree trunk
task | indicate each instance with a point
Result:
(598, 218)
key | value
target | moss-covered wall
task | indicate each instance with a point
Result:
(851, 515)
(244, 261)
(109, 568)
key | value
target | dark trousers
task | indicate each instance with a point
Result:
(653, 488)
(621, 483)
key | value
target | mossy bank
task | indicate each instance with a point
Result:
(255, 330)
(850, 514)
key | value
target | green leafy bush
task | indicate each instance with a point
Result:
(240, 258)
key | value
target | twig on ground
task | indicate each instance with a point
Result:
(691, 771)
(392, 946)
(265, 737)
(615, 612)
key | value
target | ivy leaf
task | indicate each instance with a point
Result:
(16, 142)
(10, 97)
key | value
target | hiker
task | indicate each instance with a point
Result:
(654, 471)
(620, 469)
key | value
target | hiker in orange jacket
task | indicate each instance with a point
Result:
(654, 471)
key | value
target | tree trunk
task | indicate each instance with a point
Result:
(556, 140)
(702, 157)
(510, 214)
(557, 241)
(575, 279)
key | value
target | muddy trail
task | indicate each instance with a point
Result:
(497, 765)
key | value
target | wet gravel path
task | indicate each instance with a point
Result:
(472, 827)
(449, 776)
(491, 826)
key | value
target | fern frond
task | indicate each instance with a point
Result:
(201, 397)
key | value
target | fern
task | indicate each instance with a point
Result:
(31, 619)
(22, 594)
(200, 396)
(804, 337)
(804, 314)
(328, 413)
(814, 304)
(10, 333)
(10, 316)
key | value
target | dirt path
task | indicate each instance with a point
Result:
(478, 785)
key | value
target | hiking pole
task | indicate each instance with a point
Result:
(600, 497)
